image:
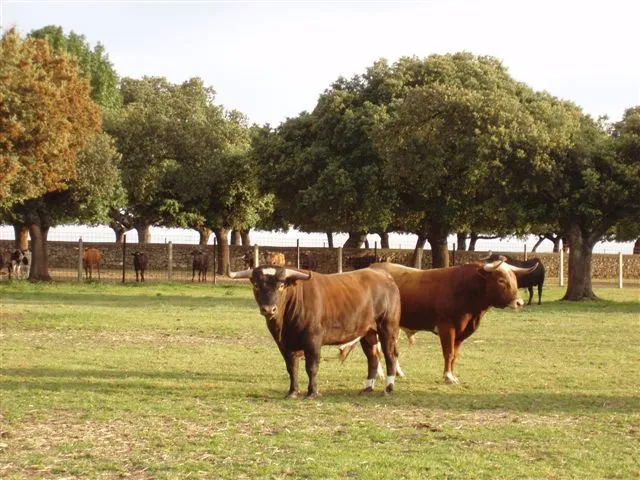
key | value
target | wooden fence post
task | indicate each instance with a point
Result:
(170, 260)
(80, 252)
(619, 269)
(124, 256)
(298, 253)
(215, 261)
(256, 256)
(561, 266)
(339, 259)
(525, 252)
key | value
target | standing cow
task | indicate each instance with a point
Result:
(528, 281)
(140, 262)
(305, 312)
(91, 258)
(200, 264)
(450, 302)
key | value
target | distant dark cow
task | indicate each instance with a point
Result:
(528, 281)
(451, 301)
(140, 262)
(362, 261)
(91, 258)
(308, 261)
(305, 311)
(200, 264)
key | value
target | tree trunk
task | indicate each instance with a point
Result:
(119, 230)
(246, 239)
(384, 239)
(439, 250)
(236, 239)
(556, 243)
(222, 237)
(462, 241)
(39, 270)
(473, 239)
(541, 238)
(418, 250)
(204, 234)
(144, 233)
(21, 236)
(355, 240)
(330, 239)
(579, 285)
(636, 247)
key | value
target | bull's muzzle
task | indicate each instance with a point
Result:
(517, 304)
(268, 311)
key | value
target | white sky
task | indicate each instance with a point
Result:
(271, 60)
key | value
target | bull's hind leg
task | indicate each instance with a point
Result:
(369, 345)
(312, 364)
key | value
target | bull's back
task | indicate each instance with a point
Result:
(349, 303)
(425, 295)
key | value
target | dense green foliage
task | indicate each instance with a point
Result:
(180, 381)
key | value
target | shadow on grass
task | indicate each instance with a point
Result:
(199, 383)
(127, 301)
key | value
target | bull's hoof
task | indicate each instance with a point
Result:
(451, 379)
(388, 390)
(311, 396)
(366, 391)
(292, 395)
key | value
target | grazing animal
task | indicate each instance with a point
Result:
(450, 302)
(528, 281)
(16, 264)
(358, 262)
(305, 311)
(200, 264)
(140, 262)
(308, 261)
(91, 258)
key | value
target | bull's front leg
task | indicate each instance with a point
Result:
(447, 341)
(312, 364)
(292, 361)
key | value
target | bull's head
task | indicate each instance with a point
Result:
(502, 285)
(269, 284)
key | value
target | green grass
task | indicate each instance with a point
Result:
(184, 381)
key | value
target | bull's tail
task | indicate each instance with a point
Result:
(346, 349)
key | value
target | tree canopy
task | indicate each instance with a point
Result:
(46, 117)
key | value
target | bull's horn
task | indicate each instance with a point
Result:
(521, 270)
(296, 275)
(242, 274)
(487, 257)
(490, 267)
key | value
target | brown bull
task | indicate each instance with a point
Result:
(305, 311)
(91, 258)
(451, 301)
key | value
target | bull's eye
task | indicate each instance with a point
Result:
(280, 287)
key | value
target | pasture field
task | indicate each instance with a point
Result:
(170, 381)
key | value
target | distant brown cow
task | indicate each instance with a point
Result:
(274, 258)
(450, 302)
(91, 258)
